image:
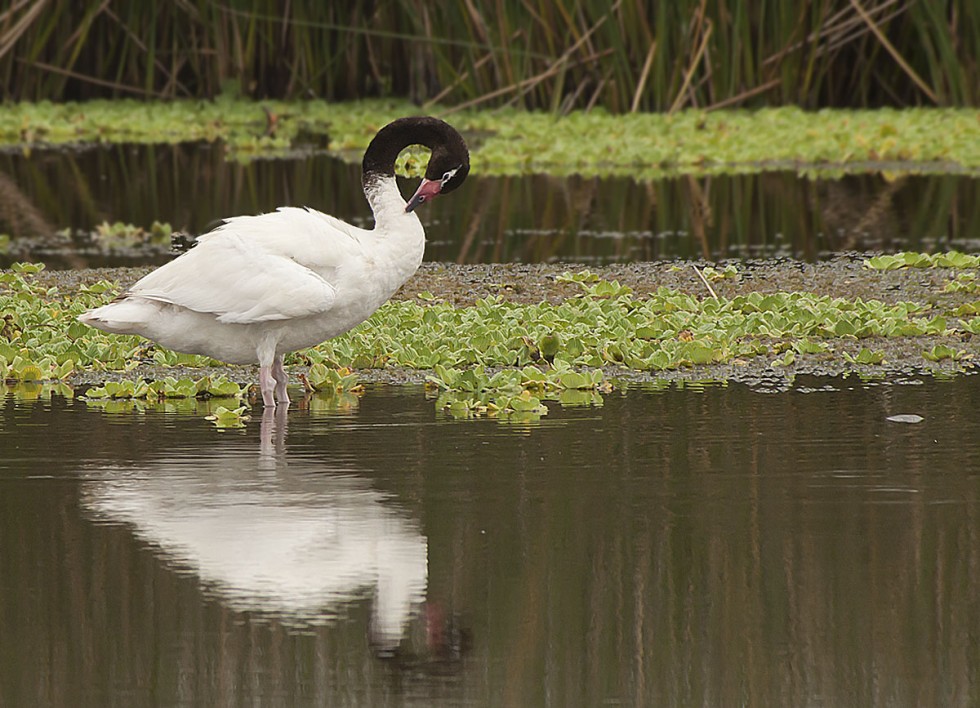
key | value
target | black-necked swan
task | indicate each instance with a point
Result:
(258, 287)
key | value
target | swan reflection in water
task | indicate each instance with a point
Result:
(288, 537)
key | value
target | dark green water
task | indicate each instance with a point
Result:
(686, 547)
(527, 219)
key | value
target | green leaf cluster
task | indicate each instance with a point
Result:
(912, 259)
(604, 326)
(666, 330)
(474, 391)
(963, 283)
(119, 235)
(169, 387)
(594, 143)
(940, 352)
(333, 380)
(224, 418)
(729, 272)
(866, 356)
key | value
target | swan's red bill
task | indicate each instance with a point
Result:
(426, 191)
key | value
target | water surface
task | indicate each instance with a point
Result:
(527, 219)
(715, 546)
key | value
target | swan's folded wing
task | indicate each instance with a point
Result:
(238, 284)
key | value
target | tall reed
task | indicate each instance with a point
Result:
(555, 55)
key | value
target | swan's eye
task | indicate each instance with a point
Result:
(449, 175)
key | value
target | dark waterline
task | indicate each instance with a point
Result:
(683, 547)
(492, 220)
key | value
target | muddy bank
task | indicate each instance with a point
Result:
(842, 276)
(462, 285)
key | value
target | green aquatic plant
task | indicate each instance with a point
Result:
(963, 283)
(808, 346)
(471, 392)
(332, 403)
(169, 387)
(729, 272)
(788, 358)
(21, 369)
(513, 142)
(911, 259)
(941, 352)
(866, 356)
(581, 277)
(331, 380)
(553, 350)
(666, 330)
(225, 418)
(120, 235)
(39, 390)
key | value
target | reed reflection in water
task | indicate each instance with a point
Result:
(528, 219)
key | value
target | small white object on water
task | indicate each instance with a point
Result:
(905, 418)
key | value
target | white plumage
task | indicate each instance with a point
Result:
(258, 287)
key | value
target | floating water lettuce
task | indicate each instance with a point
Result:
(169, 387)
(911, 259)
(331, 380)
(595, 143)
(224, 418)
(941, 352)
(866, 356)
(471, 392)
(603, 326)
(963, 283)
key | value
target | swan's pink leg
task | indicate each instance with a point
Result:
(267, 385)
(282, 379)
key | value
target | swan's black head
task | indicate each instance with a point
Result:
(443, 174)
(448, 165)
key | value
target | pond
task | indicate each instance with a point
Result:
(493, 219)
(694, 545)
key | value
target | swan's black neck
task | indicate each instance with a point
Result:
(447, 146)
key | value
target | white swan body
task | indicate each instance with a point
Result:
(258, 287)
(272, 283)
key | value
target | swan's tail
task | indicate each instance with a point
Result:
(124, 316)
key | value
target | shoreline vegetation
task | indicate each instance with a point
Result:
(625, 56)
(501, 340)
(513, 142)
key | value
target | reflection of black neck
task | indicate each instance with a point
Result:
(439, 137)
